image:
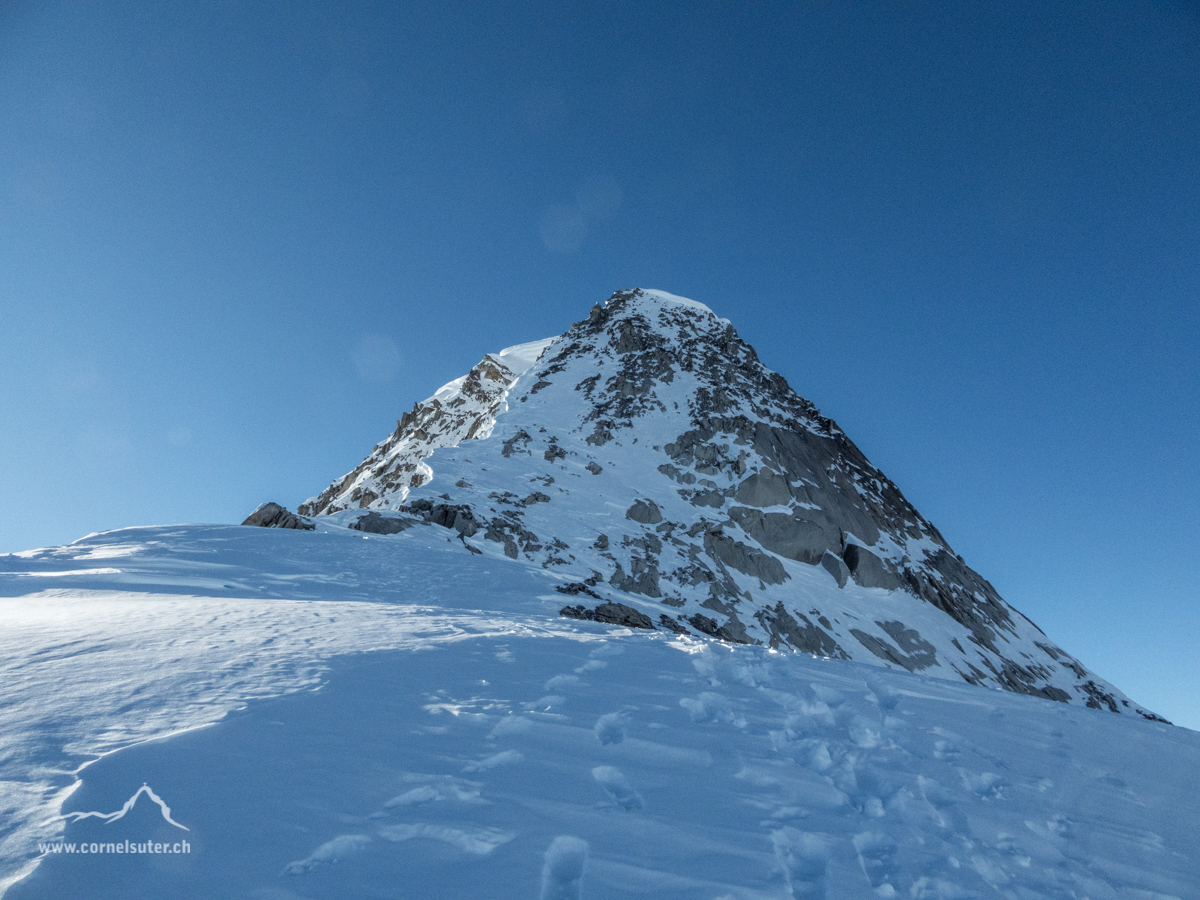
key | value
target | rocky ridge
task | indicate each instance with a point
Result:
(650, 461)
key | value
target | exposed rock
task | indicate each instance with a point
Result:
(502, 532)
(677, 474)
(671, 625)
(642, 580)
(1099, 699)
(764, 488)
(745, 559)
(882, 649)
(733, 631)
(868, 569)
(463, 410)
(920, 653)
(600, 435)
(644, 511)
(609, 614)
(577, 587)
(789, 536)
(272, 515)
(510, 446)
(807, 638)
(713, 499)
(594, 467)
(704, 624)
(374, 523)
(834, 566)
(460, 517)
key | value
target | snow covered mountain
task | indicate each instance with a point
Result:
(540, 644)
(649, 459)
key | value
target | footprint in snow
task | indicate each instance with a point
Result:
(611, 728)
(329, 853)
(803, 858)
(617, 786)
(476, 840)
(877, 856)
(559, 682)
(708, 707)
(607, 650)
(506, 758)
(562, 871)
(861, 735)
(984, 785)
(436, 789)
(831, 697)
(946, 750)
(886, 698)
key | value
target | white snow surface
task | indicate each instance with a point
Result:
(521, 357)
(334, 715)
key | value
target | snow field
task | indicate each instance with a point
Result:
(451, 772)
(359, 744)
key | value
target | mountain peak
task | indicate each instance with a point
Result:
(653, 464)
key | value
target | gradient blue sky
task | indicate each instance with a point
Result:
(238, 240)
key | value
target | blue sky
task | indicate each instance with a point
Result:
(237, 241)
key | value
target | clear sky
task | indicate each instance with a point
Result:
(239, 240)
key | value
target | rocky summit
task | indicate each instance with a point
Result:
(669, 480)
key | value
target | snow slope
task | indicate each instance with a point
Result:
(399, 716)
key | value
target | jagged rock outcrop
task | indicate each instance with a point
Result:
(649, 459)
(462, 410)
(272, 515)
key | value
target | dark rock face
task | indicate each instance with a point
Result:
(577, 587)
(460, 518)
(836, 567)
(785, 534)
(911, 650)
(868, 569)
(374, 523)
(643, 579)
(732, 631)
(764, 489)
(806, 637)
(610, 614)
(644, 511)
(744, 558)
(272, 515)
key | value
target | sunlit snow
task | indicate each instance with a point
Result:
(464, 741)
